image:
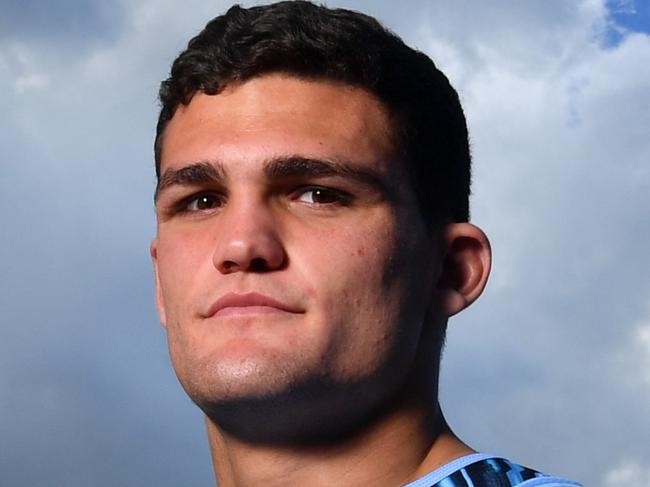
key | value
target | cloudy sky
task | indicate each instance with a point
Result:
(551, 367)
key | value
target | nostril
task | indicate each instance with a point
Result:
(227, 266)
(249, 249)
(258, 265)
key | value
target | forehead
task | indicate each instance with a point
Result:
(279, 115)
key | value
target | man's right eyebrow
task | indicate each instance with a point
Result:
(195, 173)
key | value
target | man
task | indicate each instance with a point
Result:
(313, 240)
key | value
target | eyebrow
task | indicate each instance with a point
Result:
(276, 168)
(296, 166)
(195, 173)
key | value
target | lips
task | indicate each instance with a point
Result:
(248, 303)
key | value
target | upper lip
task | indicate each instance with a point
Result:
(236, 300)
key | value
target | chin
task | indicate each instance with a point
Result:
(258, 408)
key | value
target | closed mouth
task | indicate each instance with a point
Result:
(248, 304)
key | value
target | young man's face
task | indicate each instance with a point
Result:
(291, 257)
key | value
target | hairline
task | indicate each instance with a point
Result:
(389, 113)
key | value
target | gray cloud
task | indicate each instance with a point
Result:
(68, 23)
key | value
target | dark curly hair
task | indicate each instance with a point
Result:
(315, 42)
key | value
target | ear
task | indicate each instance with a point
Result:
(466, 263)
(153, 250)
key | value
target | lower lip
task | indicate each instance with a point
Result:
(249, 311)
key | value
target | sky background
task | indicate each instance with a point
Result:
(551, 367)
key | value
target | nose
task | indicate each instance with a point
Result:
(247, 239)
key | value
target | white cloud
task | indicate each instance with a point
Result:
(628, 473)
(623, 6)
(643, 336)
(632, 359)
(30, 82)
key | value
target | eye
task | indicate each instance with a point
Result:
(322, 196)
(202, 202)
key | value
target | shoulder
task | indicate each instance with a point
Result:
(481, 470)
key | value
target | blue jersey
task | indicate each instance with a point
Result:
(480, 470)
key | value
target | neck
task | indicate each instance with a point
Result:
(400, 446)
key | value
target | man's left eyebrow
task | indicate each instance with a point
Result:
(296, 166)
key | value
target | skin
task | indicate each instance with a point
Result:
(292, 189)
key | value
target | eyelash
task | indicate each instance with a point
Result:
(339, 197)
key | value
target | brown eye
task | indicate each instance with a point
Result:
(203, 202)
(322, 196)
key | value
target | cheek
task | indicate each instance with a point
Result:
(181, 258)
(355, 293)
(340, 256)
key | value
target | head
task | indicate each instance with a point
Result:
(309, 41)
(313, 178)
